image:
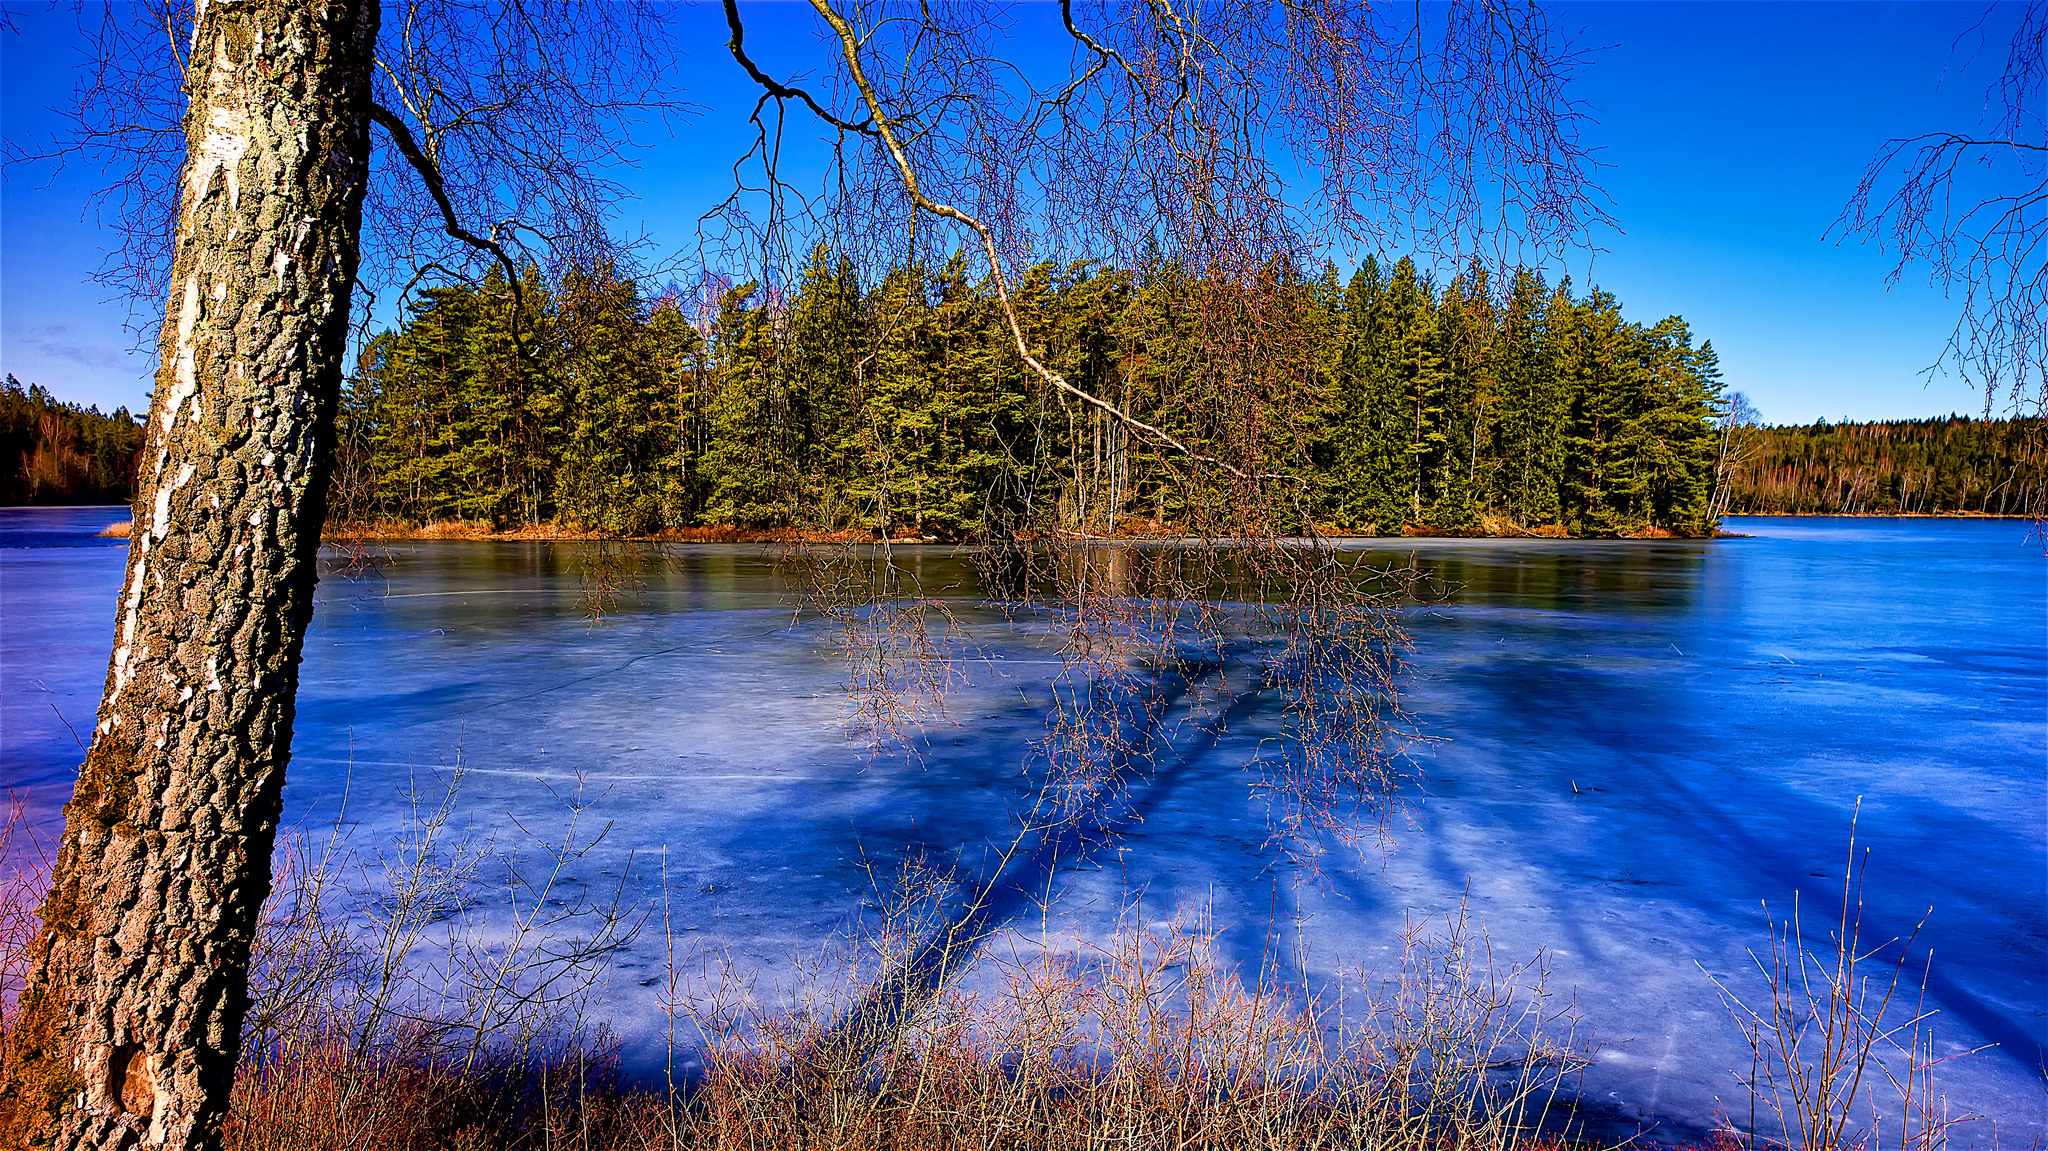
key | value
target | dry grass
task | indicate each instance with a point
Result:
(1502, 524)
(119, 531)
(1150, 1042)
(1147, 1042)
(456, 529)
(1490, 524)
(1146, 1045)
(321, 1094)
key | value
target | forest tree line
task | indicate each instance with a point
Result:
(902, 407)
(898, 405)
(1936, 466)
(52, 452)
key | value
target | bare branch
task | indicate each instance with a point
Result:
(1973, 207)
(777, 89)
(430, 175)
(850, 45)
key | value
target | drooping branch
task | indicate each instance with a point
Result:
(1177, 134)
(775, 88)
(1973, 206)
(850, 48)
(430, 175)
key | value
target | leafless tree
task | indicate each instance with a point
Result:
(1234, 142)
(1738, 428)
(501, 118)
(1178, 130)
(501, 126)
(1973, 207)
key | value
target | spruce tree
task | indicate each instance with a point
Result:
(1466, 323)
(1415, 383)
(678, 357)
(1363, 470)
(904, 408)
(610, 473)
(422, 388)
(752, 469)
(1524, 479)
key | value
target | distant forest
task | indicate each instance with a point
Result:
(1943, 465)
(898, 406)
(57, 453)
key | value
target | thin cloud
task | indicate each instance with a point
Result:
(52, 342)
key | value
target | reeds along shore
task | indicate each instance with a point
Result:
(1147, 1048)
(370, 1032)
(1148, 1043)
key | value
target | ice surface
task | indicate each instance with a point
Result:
(1637, 742)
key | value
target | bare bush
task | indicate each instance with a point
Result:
(1839, 1060)
(24, 878)
(1149, 1041)
(411, 952)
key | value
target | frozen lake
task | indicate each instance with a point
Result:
(1637, 742)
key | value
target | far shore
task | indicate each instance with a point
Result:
(1880, 515)
(1493, 527)
(1135, 531)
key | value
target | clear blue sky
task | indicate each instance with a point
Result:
(1733, 133)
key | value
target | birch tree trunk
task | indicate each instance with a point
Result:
(128, 1030)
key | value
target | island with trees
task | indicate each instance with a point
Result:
(891, 405)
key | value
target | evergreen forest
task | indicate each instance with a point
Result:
(53, 452)
(1944, 465)
(1384, 404)
(898, 405)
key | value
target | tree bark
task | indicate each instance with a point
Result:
(128, 1030)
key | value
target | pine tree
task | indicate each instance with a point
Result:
(827, 358)
(1679, 448)
(1076, 313)
(423, 382)
(678, 357)
(1606, 479)
(1363, 469)
(612, 474)
(985, 401)
(353, 495)
(1323, 430)
(903, 452)
(1561, 383)
(1150, 344)
(525, 370)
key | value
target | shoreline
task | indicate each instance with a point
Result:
(462, 530)
(728, 534)
(1878, 516)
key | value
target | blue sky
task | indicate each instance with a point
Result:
(1732, 135)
